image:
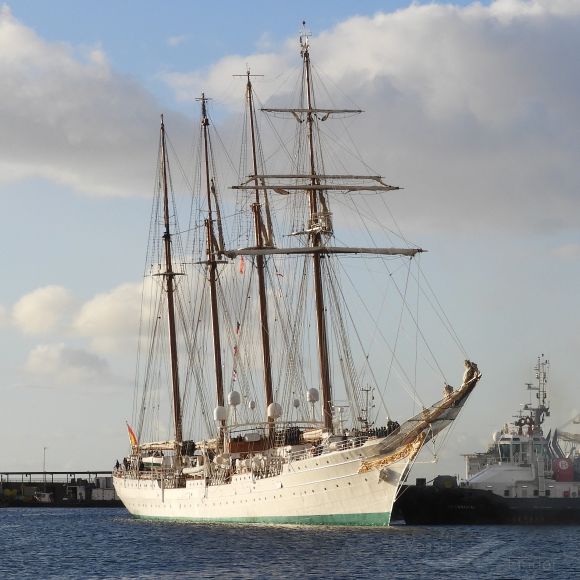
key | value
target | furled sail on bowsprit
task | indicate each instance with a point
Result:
(282, 341)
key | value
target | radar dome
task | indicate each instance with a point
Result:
(274, 410)
(312, 395)
(234, 398)
(219, 413)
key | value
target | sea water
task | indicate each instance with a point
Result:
(109, 543)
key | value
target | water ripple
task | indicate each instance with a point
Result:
(108, 543)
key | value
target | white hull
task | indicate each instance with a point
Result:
(353, 485)
(327, 489)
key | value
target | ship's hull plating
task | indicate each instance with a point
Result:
(429, 505)
(326, 490)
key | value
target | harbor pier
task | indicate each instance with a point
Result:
(92, 488)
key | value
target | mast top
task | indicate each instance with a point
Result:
(248, 73)
(203, 99)
(305, 34)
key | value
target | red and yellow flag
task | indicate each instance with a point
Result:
(132, 436)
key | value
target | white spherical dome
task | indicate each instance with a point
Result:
(274, 410)
(312, 395)
(219, 413)
(234, 398)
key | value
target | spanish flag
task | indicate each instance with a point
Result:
(132, 436)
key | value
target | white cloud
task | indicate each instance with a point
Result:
(110, 320)
(265, 42)
(44, 310)
(508, 10)
(568, 252)
(91, 335)
(62, 365)
(217, 81)
(3, 315)
(67, 117)
(176, 40)
(472, 109)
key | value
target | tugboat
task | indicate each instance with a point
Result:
(524, 477)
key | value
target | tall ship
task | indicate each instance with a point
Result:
(526, 476)
(264, 364)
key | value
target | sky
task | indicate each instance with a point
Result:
(472, 107)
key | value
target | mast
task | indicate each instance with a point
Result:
(541, 408)
(315, 237)
(316, 185)
(212, 249)
(260, 259)
(169, 276)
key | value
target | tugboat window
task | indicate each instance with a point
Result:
(506, 492)
(504, 451)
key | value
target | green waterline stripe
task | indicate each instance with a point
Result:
(372, 519)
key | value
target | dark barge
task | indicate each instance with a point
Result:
(446, 503)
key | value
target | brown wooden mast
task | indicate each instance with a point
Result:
(260, 259)
(212, 262)
(169, 276)
(319, 227)
(315, 236)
